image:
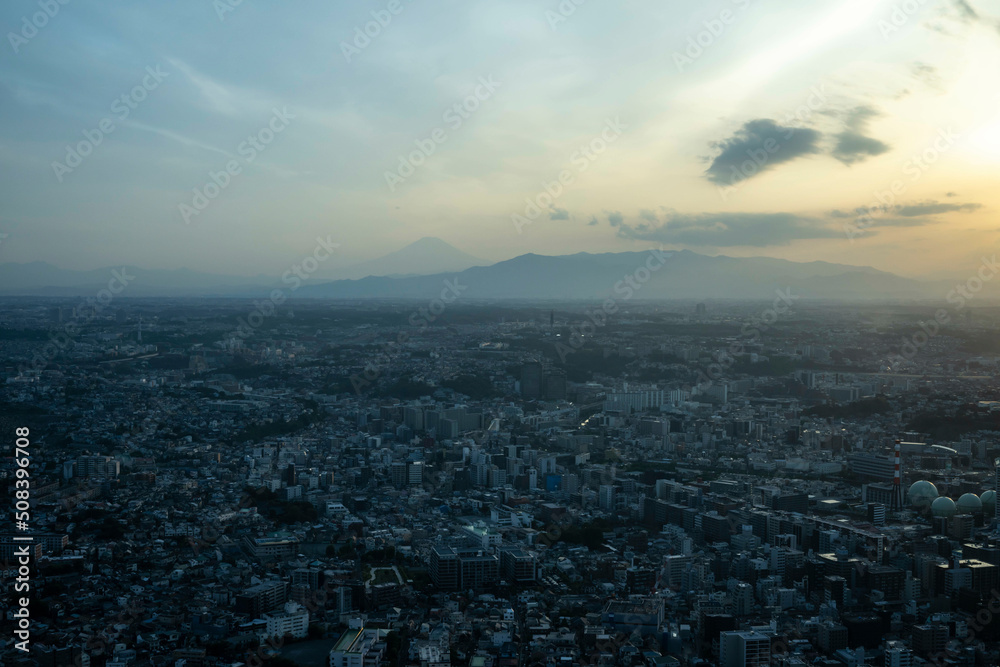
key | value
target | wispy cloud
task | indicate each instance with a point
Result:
(935, 208)
(724, 230)
(181, 139)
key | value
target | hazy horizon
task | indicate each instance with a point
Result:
(739, 128)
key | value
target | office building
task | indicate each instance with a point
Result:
(744, 649)
(292, 620)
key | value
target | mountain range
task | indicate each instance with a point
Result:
(420, 271)
(426, 256)
(654, 275)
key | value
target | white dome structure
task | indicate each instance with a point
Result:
(989, 499)
(969, 503)
(922, 494)
(944, 508)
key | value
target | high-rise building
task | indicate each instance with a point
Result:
(414, 418)
(398, 474)
(447, 429)
(887, 579)
(415, 473)
(98, 467)
(897, 654)
(871, 466)
(292, 620)
(306, 576)
(517, 565)
(832, 637)
(262, 598)
(496, 477)
(478, 569)
(929, 639)
(460, 569)
(716, 528)
(876, 514)
(531, 380)
(634, 400)
(607, 497)
(744, 649)
(896, 504)
(444, 568)
(554, 385)
(996, 485)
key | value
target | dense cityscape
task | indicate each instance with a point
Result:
(389, 483)
(500, 334)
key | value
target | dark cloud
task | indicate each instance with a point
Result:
(593, 221)
(857, 119)
(558, 214)
(729, 229)
(758, 146)
(934, 208)
(615, 218)
(853, 147)
(837, 213)
(852, 144)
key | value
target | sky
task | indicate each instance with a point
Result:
(226, 136)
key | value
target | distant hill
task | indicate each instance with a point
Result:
(427, 256)
(683, 275)
(43, 279)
